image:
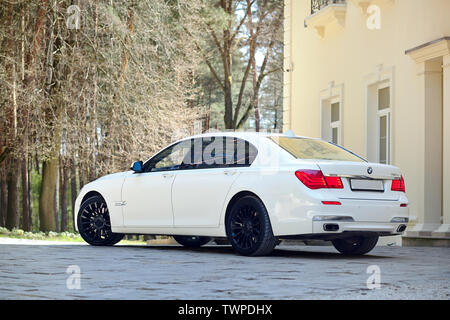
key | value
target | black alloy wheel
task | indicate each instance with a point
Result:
(248, 227)
(94, 223)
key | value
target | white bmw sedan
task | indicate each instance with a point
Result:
(252, 188)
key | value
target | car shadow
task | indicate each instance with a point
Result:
(293, 253)
(281, 252)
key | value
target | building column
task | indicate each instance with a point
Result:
(430, 209)
(444, 229)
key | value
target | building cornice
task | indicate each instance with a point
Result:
(430, 50)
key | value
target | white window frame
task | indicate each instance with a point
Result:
(382, 77)
(336, 124)
(327, 97)
(381, 113)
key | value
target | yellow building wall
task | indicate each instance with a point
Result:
(348, 55)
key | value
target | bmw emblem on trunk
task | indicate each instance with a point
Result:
(369, 170)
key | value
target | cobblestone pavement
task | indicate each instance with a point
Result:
(37, 270)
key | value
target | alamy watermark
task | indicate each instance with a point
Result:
(374, 280)
(373, 21)
(74, 17)
(73, 282)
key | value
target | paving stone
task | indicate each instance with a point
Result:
(37, 270)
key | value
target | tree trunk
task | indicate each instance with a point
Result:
(37, 166)
(3, 195)
(64, 187)
(47, 195)
(275, 121)
(25, 200)
(30, 211)
(82, 175)
(73, 188)
(12, 218)
(228, 117)
(252, 62)
(56, 203)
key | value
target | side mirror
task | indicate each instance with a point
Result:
(137, 167)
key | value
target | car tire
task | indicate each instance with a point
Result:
(94, 223)
(355, 246)
(192, 241)
(249, 229)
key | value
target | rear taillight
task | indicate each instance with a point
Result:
(314, 179)
(331, 203)
(398, 185)
(334, 182)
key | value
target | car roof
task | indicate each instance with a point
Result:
(244, 135)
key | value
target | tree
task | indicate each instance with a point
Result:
(249, 26)
(77, 103)
(10, 129)
(91, 99)
(52, 114)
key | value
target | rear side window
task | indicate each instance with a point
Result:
(221, 152)
(304, 148)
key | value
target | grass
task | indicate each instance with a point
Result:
(52, 236)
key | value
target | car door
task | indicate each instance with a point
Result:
(146, 196)
(198, 194)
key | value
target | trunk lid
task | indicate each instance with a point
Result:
(361, 172)
(359, 169)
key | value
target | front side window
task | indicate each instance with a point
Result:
(171, 158)
(305, 148)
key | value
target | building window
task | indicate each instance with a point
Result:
(383, 120)
(331, 120)
(379, 114)
(331, 103)
(335, 123)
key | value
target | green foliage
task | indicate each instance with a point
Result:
(55, 236)
(19, 233)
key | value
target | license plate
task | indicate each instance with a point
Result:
(366, 185)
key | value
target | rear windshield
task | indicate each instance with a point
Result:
(304, 148)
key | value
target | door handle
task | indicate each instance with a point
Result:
(167, 175)
(229, 172)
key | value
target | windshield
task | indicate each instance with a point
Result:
(305, 148)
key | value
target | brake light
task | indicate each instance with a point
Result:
(334, 182)
(398, 185)
(314, 179)
(331, 203)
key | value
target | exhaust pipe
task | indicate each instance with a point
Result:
(331, 227)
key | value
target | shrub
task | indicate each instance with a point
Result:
(17, 232)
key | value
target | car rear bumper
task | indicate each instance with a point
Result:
(330, 227)
(383, 217)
